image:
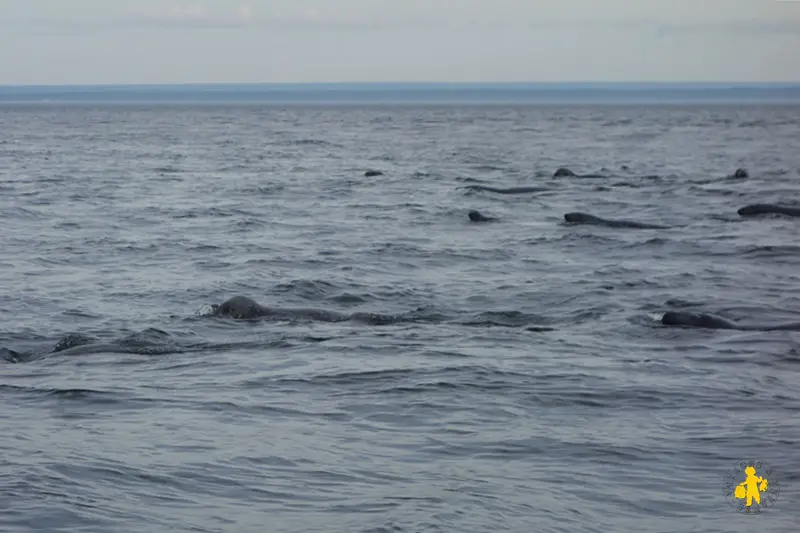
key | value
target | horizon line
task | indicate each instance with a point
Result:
(716, 84)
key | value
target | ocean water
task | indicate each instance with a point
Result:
(520, 380)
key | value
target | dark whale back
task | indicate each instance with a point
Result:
(71, 341)
(586, 218)
(764, 209)
(563, 172)
(741, 173)
(10, 356)
(149, 341)
(507, 190)
(477, 216)
(705, 320)
(239, 307)
(583, 218)
(696, 320)
(242, 307)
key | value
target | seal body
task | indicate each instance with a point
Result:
(586, 218)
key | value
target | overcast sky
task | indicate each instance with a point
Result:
(166, 41)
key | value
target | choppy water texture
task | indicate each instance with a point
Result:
(120, 222)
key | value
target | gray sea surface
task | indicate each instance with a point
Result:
(520, 380)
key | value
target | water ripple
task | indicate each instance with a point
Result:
(518, 378)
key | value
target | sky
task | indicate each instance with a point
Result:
(263, 41)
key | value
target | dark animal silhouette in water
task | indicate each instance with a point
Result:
(508, 190)
(768, 209)
(242, 307)
(740, 173)
(564, 172)
(372, 173)
(150, 341)
(586, 218)
(477, 216)
(705, 320)
(560, 173)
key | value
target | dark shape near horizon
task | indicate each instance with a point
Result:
(586, 218)
(507, 190)
(769, 209)
(372, 173)
(477, 216)
(708, 321)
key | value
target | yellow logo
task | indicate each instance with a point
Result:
(751, 487)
